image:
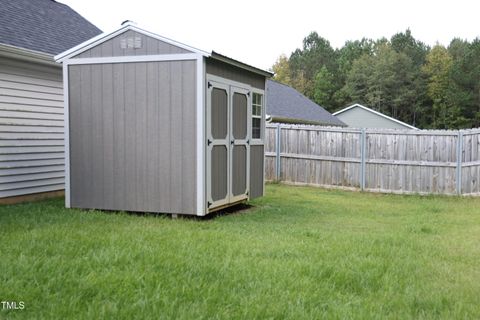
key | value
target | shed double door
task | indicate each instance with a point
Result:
(228, 143)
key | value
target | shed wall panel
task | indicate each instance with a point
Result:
(31, 128)
(133, 136)
(119, 136)
(256, 171)
(164, 96)
(227, 71)
(116, 47)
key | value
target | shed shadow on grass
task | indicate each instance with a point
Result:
(240, 208)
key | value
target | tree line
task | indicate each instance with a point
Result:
(429, 87)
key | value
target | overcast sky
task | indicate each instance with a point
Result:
(257, 32)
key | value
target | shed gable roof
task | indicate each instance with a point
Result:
(130, 26)
(284, 102)
(98, 40)
(43, 25)
(124, 45)
(357, 105)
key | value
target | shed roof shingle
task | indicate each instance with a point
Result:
(43, 25)
(284, 102)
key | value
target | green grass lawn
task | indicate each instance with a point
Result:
(297, 253)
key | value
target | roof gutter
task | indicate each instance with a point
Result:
(27, 55)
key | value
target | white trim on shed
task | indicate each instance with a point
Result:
(67, 135)
(125, 59)
(200, 146)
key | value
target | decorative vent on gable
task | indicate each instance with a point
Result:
(131, 43)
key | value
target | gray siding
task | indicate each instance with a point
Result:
(132, 136)
(360, 118)
(31, 128)
(221, 69)
(149, 46)
(256, 171)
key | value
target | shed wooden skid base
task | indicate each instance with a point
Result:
(219, 208)
(153, 125)
(32, 197)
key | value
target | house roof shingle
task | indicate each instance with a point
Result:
(43, 25)
(286, 103)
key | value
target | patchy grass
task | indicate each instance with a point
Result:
(298, 253)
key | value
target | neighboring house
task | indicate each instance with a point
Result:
(287, 105)
(358, 116)
(31, 94)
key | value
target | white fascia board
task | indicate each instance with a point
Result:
(345, 109)
(126, 59)
(109, 35)
(377, 113)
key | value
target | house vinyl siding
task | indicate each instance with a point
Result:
(31, 128)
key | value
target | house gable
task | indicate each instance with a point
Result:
(358, 116)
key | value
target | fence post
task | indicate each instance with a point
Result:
(363, 142)
(459, 161)
(277, 150)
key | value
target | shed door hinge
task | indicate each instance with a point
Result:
(248, 93)
(209, 84)
(209, 142)
(209, 204)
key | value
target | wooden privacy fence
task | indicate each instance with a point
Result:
(379, 160)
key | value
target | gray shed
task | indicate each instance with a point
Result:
(153, 125)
